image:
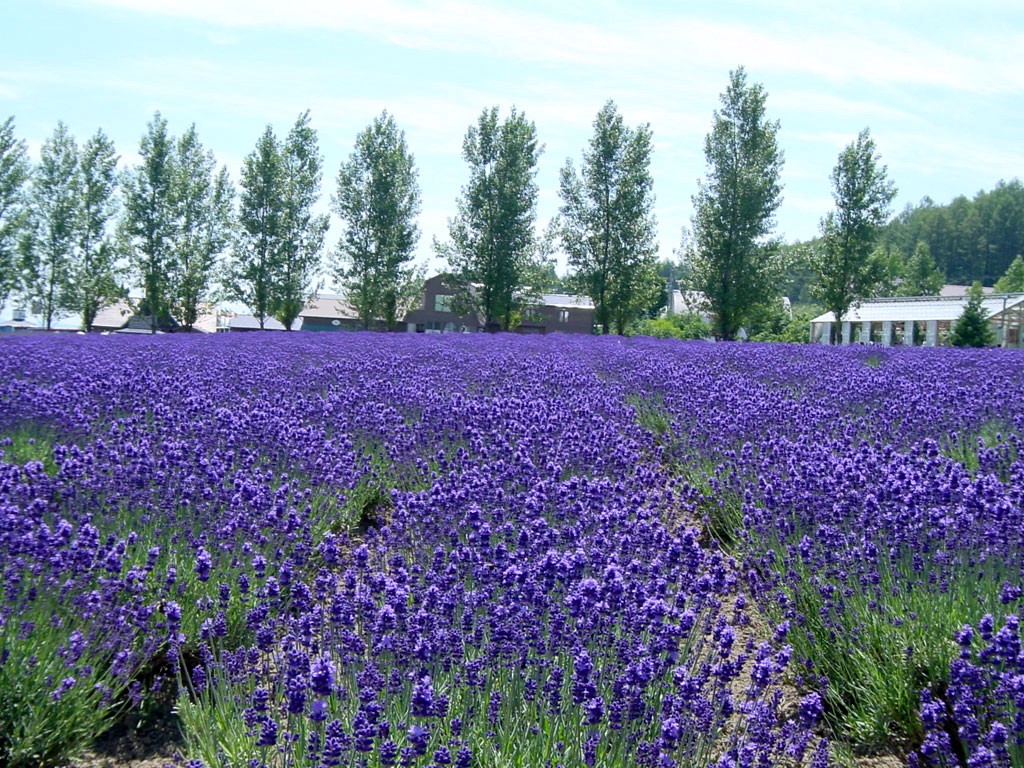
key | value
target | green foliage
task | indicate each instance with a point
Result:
(798, 273)
(777, 325)
(970, 239)
(302, 231)
(93, 275)
(734, 264)
(713, 496)
(1012, 280)
(378, 200)
(54, 699)
(990, 438)
(860, 644)
(29, 442)
(608, 226)
(683, 326)
(53, 231)
(973, 329)
(150, 220)
(14, 170)
(862, 195)
(921, 276)
(651, 414)
(203, 199)
(252, 270)
(890, 269)
(493, 252)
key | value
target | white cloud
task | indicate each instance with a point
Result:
(820, 43)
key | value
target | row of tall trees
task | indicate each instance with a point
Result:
(55, 242)
(73, 230)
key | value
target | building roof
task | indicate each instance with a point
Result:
(923, 308)
(959, 290)
(114, 316)
(566, 301)
(330, 306)
(34, 321)
(250, 323)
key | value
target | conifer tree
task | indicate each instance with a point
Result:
(973, 328)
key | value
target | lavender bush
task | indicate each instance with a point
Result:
(390, 550)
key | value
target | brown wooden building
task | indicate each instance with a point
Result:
(555, 313)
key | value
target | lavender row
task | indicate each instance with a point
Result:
(386, 550)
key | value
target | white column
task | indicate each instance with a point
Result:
(865, 332)
(908, 333)
(847, 331)
(931, 333)
(826, 334)
(887, 333)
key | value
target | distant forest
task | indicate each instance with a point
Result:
(968, 239)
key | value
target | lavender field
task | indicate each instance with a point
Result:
(390, 550)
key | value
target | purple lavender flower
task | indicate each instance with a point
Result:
(204, 564)
(322, 676)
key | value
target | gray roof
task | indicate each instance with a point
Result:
(330, 306)
(250, 323)
(566, 301)
(923, 308)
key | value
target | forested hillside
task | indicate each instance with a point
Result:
(970, 239)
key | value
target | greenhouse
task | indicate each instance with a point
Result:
(921, 321)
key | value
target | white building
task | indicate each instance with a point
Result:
(920, 320)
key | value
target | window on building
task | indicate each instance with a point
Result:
(563, 315)
(442, 303)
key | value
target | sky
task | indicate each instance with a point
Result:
(938, 84)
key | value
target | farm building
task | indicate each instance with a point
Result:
(123, 316)
(29, 319)
(921, 320)
(555, 313)
(330, 312)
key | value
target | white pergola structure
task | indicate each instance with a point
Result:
(921, 321)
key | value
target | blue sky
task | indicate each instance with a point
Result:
(940, 85)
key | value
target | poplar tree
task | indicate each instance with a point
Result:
(734, 262)
(150, 223)
(493, 252)
(378, 200)
(863, 195)
(93, 277)
(48, 247)
(253, 270)
(203, 198)
(608, 225)
(14, 170)
(302, 230)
